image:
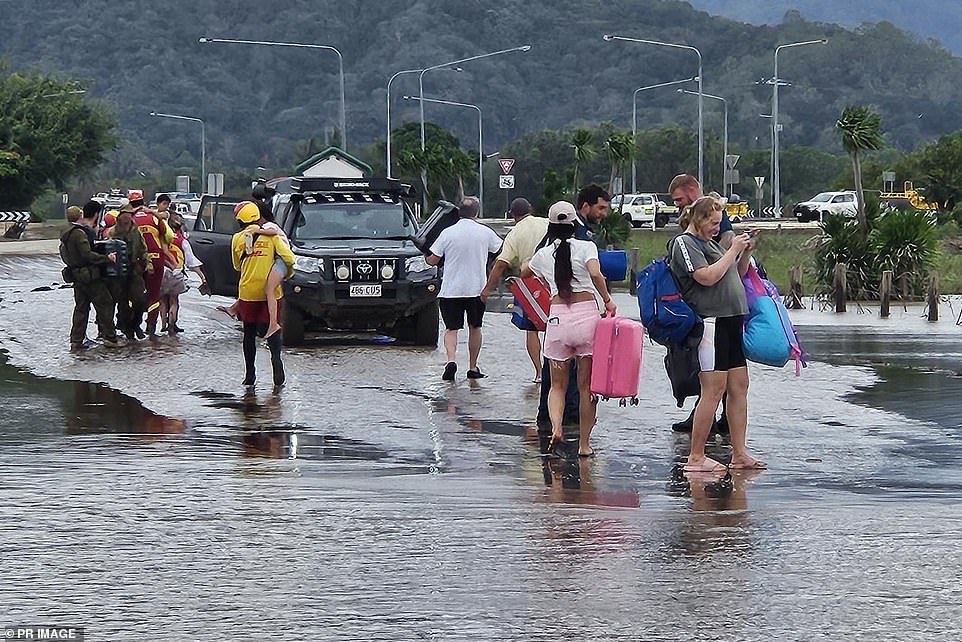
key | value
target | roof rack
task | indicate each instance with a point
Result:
(305, 184)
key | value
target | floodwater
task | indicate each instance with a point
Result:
(369, 500)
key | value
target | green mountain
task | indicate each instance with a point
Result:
(261, 103)
(939, 19)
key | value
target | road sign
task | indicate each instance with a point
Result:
(182, 183)
(759, 181)
(215, 184)
(732, 177)
(731, 160)
(506, 165)
(506, 181)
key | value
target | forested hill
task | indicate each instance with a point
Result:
(258, 102)
(939, 19)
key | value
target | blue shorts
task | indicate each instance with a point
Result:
(280, 267)
(519, 320)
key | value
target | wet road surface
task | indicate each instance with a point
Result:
(370, 500)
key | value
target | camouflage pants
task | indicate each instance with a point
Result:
(130, 296)
(85, 295)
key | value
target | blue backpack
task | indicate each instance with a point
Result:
(667, 318)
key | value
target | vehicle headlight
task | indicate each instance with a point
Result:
(387, 272)
(308, 264)
(417, 266)
(343, 272)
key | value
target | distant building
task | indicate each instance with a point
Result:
(333, 163)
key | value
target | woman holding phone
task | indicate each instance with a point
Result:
(710, 281)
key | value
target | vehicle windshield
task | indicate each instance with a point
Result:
(824, 197)
(319, 221)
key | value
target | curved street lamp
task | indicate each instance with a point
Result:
(776, 174)
(340, 63)
(480, 141)
(701, 128)
(203, 144)
(387, 145)
(634, 121)
(725, 137)
(522, 48)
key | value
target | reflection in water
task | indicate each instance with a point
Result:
(719, 520)
(94, 408)
(295, 444)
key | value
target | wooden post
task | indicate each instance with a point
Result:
(933, 298)
(794, 301)
(633, 271)
(840, 285)
(885, 293)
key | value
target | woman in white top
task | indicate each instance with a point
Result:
(570, 268)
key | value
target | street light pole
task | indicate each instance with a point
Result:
(388, 140)
(701, 128)
(522, 48)
(776, 173)
(203, 144)
(340, 64)
(480, 140)
(725, 137)
(634, 122)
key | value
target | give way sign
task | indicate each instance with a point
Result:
(506, 165)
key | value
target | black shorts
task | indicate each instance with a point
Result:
(721, 347)
(453, 312)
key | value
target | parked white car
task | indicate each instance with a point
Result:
(637, 209)
(824, 204)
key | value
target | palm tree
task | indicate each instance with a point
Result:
(620, 148)
(861, 131)
(584, 152)
(463, 165)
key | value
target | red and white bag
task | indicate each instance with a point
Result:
(535, 298)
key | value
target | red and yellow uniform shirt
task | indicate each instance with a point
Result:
(255, 267)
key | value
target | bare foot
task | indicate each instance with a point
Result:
(703, 465)
(272, 329)
(747, 462)
(586, 452)
(228, 311)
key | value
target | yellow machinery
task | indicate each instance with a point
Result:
(909, 197)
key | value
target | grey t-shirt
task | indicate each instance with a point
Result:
(724, 299)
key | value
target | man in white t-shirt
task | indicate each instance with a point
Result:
(465, 247)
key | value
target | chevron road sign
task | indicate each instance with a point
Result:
(770, 212)
(14, 217)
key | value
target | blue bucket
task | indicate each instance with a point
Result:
(614, 264)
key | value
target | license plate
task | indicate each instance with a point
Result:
(365, 290)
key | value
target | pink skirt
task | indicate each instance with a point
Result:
(571, 330)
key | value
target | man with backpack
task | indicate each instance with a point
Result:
(84, 270)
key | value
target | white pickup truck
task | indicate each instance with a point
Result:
(641, 209)
(825, 204)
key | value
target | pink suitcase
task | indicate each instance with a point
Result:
(616, 362)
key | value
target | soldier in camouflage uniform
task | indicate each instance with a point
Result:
(89, 287)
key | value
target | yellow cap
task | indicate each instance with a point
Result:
(247, 212)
